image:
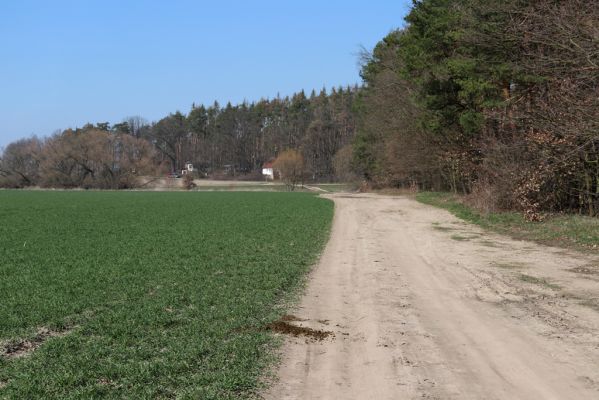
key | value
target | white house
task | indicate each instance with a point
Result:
(188, 168)
(268, 171)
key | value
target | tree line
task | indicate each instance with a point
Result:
(90, 157)
(231, 141)
(498, 100)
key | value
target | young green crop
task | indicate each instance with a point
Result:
(150, 295)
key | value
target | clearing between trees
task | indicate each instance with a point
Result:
(419, 304)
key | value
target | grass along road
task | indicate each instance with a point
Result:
(147, 295)
(564, 230)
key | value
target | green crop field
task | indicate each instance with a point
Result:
(148, 294)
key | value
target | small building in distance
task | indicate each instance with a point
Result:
(268, 171)
(188, 169)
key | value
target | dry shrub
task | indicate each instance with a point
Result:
(290, 166)
(188, 182)
(483, 197)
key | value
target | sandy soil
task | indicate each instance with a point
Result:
(422, 305)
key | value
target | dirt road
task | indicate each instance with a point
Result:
(422, 305)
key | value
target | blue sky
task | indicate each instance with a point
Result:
(64, 63)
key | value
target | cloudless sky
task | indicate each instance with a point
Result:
(67, 62)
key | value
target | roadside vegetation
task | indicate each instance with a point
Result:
(564, 230)
(148, 295)
(495, 99)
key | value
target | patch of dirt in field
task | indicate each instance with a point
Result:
(3, 384)
(24, 347)
(285, 327)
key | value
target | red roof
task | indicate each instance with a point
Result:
(267, 164)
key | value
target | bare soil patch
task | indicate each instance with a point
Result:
(24, 347)
(285, 327)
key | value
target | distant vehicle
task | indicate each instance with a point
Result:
(174, 175)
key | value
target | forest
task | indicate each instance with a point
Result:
(495, 100)
(498, 100)
(230, 142)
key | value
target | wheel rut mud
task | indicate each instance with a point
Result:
(285, 326)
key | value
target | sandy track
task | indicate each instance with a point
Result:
(423, 305)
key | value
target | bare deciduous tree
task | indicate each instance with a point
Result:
(19, 163)
(290, 166)
(95, 158)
